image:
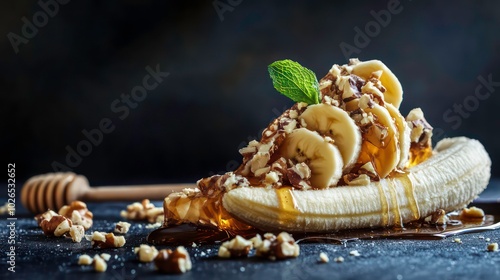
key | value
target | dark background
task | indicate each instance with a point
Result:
(218, 94)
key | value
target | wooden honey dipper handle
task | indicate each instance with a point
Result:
(54, 190)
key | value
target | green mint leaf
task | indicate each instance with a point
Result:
(294, 81)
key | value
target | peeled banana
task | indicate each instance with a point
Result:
(449, 180)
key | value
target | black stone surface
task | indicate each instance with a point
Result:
(40, 257)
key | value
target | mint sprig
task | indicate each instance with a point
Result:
(294, 81)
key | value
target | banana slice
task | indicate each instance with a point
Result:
(394, 91)
(322, 157)
(335, 123)
(449, 180)
(381, 143)
(404, 132)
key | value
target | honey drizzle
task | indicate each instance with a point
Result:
(396, 211)
(287, 205)
(384, 204)
(410, 195)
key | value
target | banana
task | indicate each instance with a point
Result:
(449, 180)
(381, 147)
(335, 123)
(404, 132)
(324, 158)
(394, 91)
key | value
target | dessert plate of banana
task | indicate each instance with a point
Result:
(342, 157)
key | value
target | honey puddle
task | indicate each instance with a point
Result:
(188, 233)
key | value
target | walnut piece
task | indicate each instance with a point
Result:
(237, 247)
(122, 227)
(105, 240)
(277, 247)
(77, 232)
(438, 217)
(146, 253)
(56, 226)
(78, 212)
(100, 264)
(84, 260)
(492, 247)
(145, 210)
(177, 261)
(45, 216)
(472, 213)
(323, 257)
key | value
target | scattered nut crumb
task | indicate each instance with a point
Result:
(99, 264)
(438, 217)
(236, 248)
(57, 225)
(487, 239)
(194, 245)
(145, 210)
(105, 240)
(84, 260)
(155, 225)
(492, 247)
(105, 256)
(146, 253)
(177, 261)
(277, 247)
(78, 213)
(76, 232)
(457, 240)
(472, 213)
(354, 253)
(122, 227)
(323, 257)
(339, 259)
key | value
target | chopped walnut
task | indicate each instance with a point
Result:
(105, 256)
(146, 253)
(472, 213)
(421, 130)
(122, 227)
(323, 257)
(277, 247)
(145, 210)
(235, 248)
(56, 226)
(438, 217)
(105, 240)
(85, 260)
(78, 213)
(77, 232)
(492, 247)
(45, 216)
(457, 240)
(177, 261)
(99, 264)
(299, 175)
(339, 259)
(354, 253)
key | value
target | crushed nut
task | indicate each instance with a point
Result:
(438, 217)
(56, 226)
(177, 261)
(339, 259)
(492, 247)
(145, 210)
(299, 175)
(105, 240)
(105, 256)
(45, 216)
(277, 247)
(100, 264)
(354, 253)
(77, 232)
(84, 260)
(78, 213)
(457, 240)
(146, 253)
(472, 213)
(323, 257)
(235, 248)
(122, 227)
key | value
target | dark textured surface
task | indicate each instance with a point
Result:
(38, 256)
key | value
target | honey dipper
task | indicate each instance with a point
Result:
(54, 190)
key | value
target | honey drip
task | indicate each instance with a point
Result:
(287, 205)
(384, 204)
(396, 211)
(410, 195)
(419, 153)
